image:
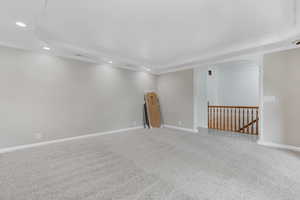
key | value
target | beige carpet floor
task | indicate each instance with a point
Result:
(151, 164)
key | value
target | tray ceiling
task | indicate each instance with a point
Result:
(161, 35)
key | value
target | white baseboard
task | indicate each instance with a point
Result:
(10, 149)
(279, 146)
(180, 128)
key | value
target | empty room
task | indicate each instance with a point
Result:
(149, 100)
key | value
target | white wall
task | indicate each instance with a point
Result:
(234, 84)
(43, 97)
(176, 93)
(201, 97)
(281, 108)
(212, 85)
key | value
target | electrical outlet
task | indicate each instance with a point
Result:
(180, 123)
(38, 136)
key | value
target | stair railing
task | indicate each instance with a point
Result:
(242, 119)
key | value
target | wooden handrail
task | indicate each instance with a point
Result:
(249, 107)
(248, 125)
(242, 119)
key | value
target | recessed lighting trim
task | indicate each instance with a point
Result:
(110, 62)
(46, 48)
(21, 24)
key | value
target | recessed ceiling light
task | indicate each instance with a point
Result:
(46, 48)
(148, 69)
(110, 62)
(21, 24)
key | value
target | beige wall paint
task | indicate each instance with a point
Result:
(281, 109)
(52, 97)
(176, 97)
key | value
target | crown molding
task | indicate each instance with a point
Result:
(239, 52)
(257, 49)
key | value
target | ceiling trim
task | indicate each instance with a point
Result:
(229, 55)
(259, 47)
(74, 57)
(95, 56)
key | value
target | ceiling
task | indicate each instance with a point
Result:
(159, 34)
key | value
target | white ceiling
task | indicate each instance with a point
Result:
(160, 34)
